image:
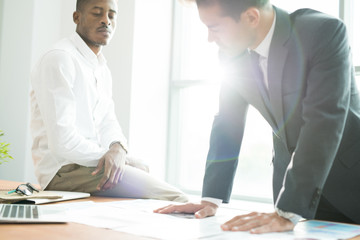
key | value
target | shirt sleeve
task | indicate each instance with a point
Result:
(215, 201)
(52, 83)
(108, 126)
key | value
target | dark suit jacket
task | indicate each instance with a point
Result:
(314, 111)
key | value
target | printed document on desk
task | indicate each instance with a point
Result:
(307, 230)
(137, 217)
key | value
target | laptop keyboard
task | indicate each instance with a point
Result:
(12, 211)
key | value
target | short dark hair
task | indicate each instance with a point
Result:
(80, 4)
(234, 8)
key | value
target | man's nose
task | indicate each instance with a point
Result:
(105, 20)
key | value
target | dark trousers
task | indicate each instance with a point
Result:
(326, 211)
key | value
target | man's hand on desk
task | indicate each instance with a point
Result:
(258, 223)
(114, 167)
(202, 210)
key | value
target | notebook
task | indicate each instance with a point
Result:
(24, 213)
(65, 196)
(40, 197)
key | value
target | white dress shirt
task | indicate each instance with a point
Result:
(72, 111)
(263, 50)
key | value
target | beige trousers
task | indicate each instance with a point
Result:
(135, 183)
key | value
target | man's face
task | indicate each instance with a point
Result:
(232, 37)
(96, 22)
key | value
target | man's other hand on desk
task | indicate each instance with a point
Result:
(258, 223)
(114, 167)
(202, 210)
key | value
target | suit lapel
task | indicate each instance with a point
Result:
(277, 57)
(247, 85)
(242, 78)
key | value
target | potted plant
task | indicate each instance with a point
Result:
(4, 150)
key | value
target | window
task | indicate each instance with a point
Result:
(356, 34)
(348, 12)
(194, 93)
(330, 6)
(194, 87)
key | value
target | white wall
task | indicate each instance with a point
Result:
(15, 64)
(138, 61)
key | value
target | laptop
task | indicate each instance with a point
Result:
(25, 213)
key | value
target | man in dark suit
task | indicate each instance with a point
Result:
(296, 70)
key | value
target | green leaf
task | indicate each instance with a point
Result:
(4, 150)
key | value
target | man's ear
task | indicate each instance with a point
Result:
(76, 17)
(252, 16)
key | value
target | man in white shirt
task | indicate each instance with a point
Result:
(78, 144)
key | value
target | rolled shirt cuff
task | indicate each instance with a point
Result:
(293, 217)
(112, 143)
(215, 201)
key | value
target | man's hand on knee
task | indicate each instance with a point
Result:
(113, 163)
